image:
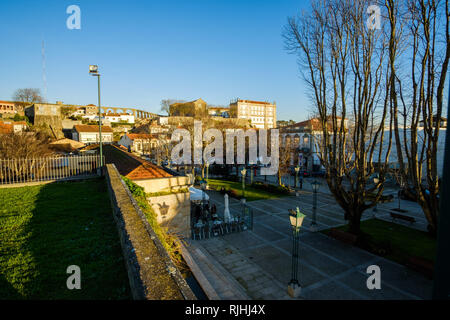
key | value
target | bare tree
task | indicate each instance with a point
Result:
(24, 145)
(165, 104)
(428, 24)
(342, 63)
(27, 96)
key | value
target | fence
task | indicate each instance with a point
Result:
(48, 169)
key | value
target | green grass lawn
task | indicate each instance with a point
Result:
(399, 242)
(251, 194)
(46, 228)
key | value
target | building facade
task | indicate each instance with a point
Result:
(90, 134)
(196, 108)
(118, 117)
(7, 107)
(140, 143)
(261, 114)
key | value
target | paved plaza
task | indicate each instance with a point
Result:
(259, 260)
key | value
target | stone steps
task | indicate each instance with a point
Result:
(216, 282)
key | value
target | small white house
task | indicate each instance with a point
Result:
(90, 134)
(79, 112)
(118, 117)
(141, 143)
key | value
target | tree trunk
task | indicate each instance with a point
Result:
(354, 223)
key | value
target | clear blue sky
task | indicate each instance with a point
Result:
(152, 50)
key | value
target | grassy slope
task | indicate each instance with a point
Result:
(402, 241)
(251, 194)
(44, 229)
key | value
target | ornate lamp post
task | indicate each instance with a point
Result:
(93, 71)
(243, 172)
(296, 219)
(315, 186)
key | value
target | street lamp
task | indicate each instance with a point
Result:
(315, 186)
(93, 71)
(203, 187)
(376, 180)
(296, 219)
(243, 172)
(207, 173)
(297, 169)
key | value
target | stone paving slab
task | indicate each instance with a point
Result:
(260, 259)
(214, 279)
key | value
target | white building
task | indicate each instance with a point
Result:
(261, 114)
(141, 143)
(90, 134)
(79, 112)
(118, 117)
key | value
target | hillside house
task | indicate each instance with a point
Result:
(141, 143)
(90, 134)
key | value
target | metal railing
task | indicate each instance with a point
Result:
(209, 225)
(13, 171)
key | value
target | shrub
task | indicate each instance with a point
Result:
(270, 188)
(170, 241)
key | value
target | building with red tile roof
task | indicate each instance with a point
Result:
(133, 167)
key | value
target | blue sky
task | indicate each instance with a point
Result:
(152, 50)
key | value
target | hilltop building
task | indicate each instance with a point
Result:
(196, 108)
(262, 115)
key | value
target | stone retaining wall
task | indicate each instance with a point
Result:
(151, 272)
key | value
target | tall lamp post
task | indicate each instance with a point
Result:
(376, 180)
(243, 172)
(297, 169)
(315, 186)
(296, 219)
(93, 71)
(207, 174)
(203, 187)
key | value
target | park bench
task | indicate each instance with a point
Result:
(343, 236)
(402, 217)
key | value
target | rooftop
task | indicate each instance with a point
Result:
(91, 128)
(134, 136)
(131, 166)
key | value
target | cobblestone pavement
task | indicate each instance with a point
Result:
(260, 259)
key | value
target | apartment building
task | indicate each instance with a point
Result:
(261, 114)
(7, 107)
